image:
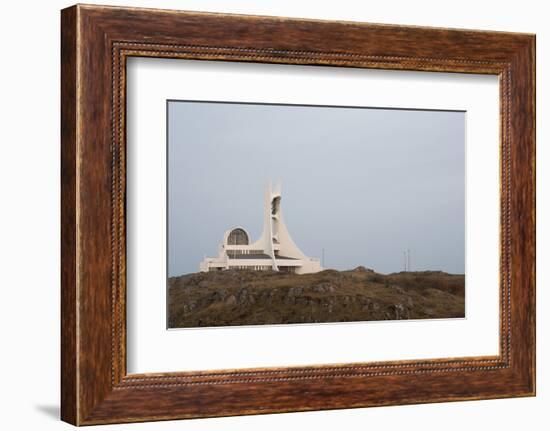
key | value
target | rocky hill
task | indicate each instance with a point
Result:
(243, 297)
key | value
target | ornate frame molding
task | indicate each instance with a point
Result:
(96, 41)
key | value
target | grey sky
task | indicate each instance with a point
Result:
(364, 184)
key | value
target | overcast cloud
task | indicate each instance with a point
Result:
(363, 184)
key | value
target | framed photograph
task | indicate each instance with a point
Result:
(371, 185)
(264, 214)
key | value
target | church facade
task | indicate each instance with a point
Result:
(273, 251)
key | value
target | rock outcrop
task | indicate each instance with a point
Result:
(241, 297)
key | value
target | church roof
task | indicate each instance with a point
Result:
(258, 256)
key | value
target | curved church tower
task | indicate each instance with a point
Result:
(274, 250)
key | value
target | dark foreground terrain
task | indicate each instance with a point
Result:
(241, 297)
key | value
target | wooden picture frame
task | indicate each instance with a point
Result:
(95, 43)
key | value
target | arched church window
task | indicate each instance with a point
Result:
(237, 237)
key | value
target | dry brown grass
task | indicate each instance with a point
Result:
(241, 297)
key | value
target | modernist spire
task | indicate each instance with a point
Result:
(274, 250)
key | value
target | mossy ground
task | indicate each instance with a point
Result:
(243, 297)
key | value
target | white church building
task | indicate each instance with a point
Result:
(274, 250)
